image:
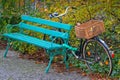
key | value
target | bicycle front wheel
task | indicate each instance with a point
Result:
(97, 56)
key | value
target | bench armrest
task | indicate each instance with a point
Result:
(69, 47)
(10, 26)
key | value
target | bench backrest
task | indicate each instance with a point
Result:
(46, 22)
(64, 35)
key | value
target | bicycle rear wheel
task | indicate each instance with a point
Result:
(97, 56)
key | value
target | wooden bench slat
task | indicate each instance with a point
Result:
(32, 40)
(43, 30)
(46, 22)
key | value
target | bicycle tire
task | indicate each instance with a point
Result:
(100, 58)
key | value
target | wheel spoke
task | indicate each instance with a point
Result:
(95, 52)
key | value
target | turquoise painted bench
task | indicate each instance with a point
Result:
(52, 48)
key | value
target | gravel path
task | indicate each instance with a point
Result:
(14, 68)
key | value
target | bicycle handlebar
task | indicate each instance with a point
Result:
(66, 11)
(60, 15)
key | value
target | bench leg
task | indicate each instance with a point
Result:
(7, 48)
(66, 62)
(48, 67)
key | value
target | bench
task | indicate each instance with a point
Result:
(29, 23)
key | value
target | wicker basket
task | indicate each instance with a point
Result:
(89, 29)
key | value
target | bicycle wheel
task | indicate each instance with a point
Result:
(97, 56)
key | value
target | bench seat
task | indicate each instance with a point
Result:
(33, 40)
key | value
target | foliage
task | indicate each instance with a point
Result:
(106, 10)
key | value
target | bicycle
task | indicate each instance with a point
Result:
(94, 51)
